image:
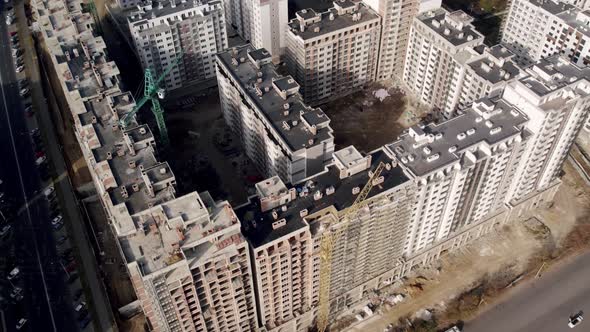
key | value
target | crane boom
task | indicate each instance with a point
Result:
(327, 246)
(150, 91)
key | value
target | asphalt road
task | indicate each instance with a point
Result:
(544, 304)
(45, 303)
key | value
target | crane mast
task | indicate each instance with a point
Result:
(328, 239)
(151, 93)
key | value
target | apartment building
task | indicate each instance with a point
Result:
(463, 167)
(538, 29)
(261, 22)
(481, 71)
(280, 133)
(554, 95)
(397, 17)
(284, 226)
(187, 259)
(441, 42)
(333, 53)
(194, 31)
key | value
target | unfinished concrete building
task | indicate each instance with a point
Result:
(196, 265)
(163, 31)
(280, 133)
(333, 53)
(284, 227)
(187, 259)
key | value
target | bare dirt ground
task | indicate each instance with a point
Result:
(363, 120)
(507, 253)
(204, 154)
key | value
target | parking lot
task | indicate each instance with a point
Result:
(38, 264)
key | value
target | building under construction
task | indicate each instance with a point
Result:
(326, 228)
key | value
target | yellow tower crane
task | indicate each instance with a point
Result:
(327, 245)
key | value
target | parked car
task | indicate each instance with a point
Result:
(48, 191)
(13, 274)
(21, 323)
(35, 132)
(57, 220)
(5, 230)
(20, 69)
(84, 322)
(16, 293)
(40, 160)
(575, 320)
(24, 92)
(57, 226)
(80, 306)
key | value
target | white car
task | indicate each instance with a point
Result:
(48, 191)
(20, 68)
(21, 323)
(57, 220)
(24, 92)
(13, 274)
(575, 320)
(80, 306)
(40, 160)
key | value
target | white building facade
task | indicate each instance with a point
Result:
(163, 32)
(333, 53)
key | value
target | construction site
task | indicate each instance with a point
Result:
(247, 209)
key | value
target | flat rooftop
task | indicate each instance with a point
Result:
(553, 73)
(330, 21)
(494, 72)
(161, 8)
(258, 227)
(455, 27)
(425, 150)
(257, 83)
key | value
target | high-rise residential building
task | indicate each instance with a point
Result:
(440, 44)
(197, 264)
(163, 31)
(464, 168)
(397, 17)
(280, 133)
(333, 53)
(261, 22)
(284, 227)
(555, 97)
(536, 29)
(479, 72)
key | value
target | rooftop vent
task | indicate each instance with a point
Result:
(142, 131)
(163, 170)
(433, 157)
(316, 29)
(447, 32)
(317, 195)
(303, 213)
(471, 131)
(461, 136)
(330, 190)
(453, 149)
(279, 224)
(495, 130)
(275, 215)
(356, 190)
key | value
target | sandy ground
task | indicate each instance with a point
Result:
(509, 247)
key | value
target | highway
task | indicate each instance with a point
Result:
(45, 303)
(544, 304)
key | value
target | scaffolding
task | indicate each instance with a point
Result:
(328, 238)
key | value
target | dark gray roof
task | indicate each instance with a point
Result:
(295, 134)
(438, 22)
(450, 139)
(342, 198)
(326, 25)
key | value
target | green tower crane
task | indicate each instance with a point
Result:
(151, 92)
